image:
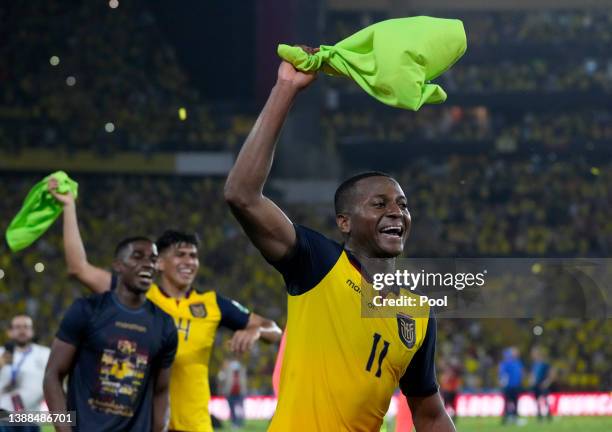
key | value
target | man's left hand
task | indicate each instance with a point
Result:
(243, 340)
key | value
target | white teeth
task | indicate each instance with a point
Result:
(392, 231)
(145, 274)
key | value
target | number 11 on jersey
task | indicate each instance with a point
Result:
(381, 356)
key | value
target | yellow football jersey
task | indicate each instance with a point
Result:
(340, 370)
(197, 317)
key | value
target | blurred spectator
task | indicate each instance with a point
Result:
(233, 381)
(450, 384)
(541, 380)
(510, 380)
(22, 366)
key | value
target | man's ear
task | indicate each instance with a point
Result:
(344, 223)
(160, 266)
(117, 265)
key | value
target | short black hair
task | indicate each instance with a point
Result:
(172, 237)
(123, 244)
(343, 192)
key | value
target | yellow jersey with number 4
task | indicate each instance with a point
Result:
(197, 317)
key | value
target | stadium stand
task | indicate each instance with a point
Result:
(525, 194)
(462, 208)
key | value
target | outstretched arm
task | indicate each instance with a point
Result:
(267, 226)
(258, 327)
(95, 278)
(429, 415)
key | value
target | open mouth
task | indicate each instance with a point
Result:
(146, 276)
(394, 231)
(186, 272)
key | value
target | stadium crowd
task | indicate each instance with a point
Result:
(531, 75)
(539, 71)
(75, 86)
(493, 28)
(551, 131)
(464, 207)
(140, 91)
(63, 83)
(535, 75)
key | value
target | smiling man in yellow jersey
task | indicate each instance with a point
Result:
(196, 315)
(339, 370)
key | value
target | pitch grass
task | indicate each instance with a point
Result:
(487, 424)
(490, 424)
(558, 424)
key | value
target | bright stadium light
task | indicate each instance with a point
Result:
(182, 114)
(54, 60)
(109, 127)
(538, 330)
(39, 267)
(114, 4)
(70, 81)
(1, 273)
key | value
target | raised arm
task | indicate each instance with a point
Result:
(95, 278)
(267, 226)
(59, 364)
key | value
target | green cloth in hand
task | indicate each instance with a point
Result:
(39, 211)
(392, 60)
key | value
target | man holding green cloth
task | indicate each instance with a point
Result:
(38, 212)
(339, 370)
